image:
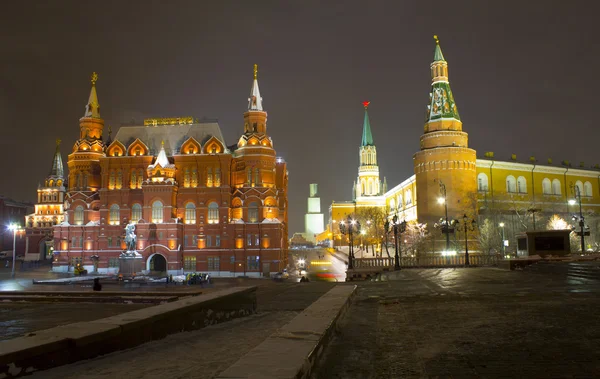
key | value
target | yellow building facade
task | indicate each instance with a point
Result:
(523, 195)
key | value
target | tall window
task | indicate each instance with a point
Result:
(217, 177)
(190, 213)
(114, 215)
(78, 216)
(587, 189)
(213, 263)
(209, 178)
(111, 180)
(249, 240)
(140, 178)
(136, 212)
(556, 187)
(186, 177)
(133, 180)
(194, 180)
(408, 197)
(189, 263)
(253, 263)
(208, 241)
(521, 185)
(546, 186)
(213, 213)
(511, 184)
(482, 182)
(256, 176)
(119, 183)
(249, 176)
(253, 212)
(399, 202)
(157, 212)
(579, 185)
(218, 241)
(392, 204)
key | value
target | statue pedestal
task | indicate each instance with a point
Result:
(131, 262)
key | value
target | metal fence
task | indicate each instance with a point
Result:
(427, 261)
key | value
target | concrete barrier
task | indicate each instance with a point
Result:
(293, 350)
(84, 340)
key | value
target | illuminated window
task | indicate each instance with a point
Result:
(189, 263)
(133, 181)
(209, 178)
(78, 215)
(113, 217)
(186, 177)
(253, 212)
(213, 213)
(579, 186)
(217, 181)
(190, 213)
(136, 212)
(157, 212)
(482, 182)
(253, 263)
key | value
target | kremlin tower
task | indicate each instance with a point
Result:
(445, 161)
(368, 183)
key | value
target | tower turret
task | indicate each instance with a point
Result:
(255, 119)
(368, 183)
(445, 156)
(84, 162)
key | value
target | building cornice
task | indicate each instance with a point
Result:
(528, 167)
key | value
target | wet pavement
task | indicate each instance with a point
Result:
(206, 352)
(470, 323)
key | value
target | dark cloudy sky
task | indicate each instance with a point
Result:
(525, 75)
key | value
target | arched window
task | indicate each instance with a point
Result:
(253, 212)
(587, 189)
(78, 216)
(213, 213)
(400, 204)
(136, 212)
(369, 187)
(114, 216)
(190, 213)
(186, 177)
(580, 187)
(119, 184)
(521, 185)
(140, 178)
(111, 180)
(408, 197)
(133, 181)
(546, 187)
(482, 182)
(392, 205)
(217, 177)
(209, 177)
(556, 187)
(511, 184)
(157, 212)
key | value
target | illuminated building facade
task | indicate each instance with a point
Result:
(473, 186)
(198, 204)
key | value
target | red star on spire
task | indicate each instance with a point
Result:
(366, 104)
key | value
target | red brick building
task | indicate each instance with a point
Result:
(199, 205)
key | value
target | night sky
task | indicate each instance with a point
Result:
(525, 76)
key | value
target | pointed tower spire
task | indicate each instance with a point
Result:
(162, 159)
(255, 101)
(367, 137)
(57, 163)
(437, 55)
(441, 101)
(92, 109)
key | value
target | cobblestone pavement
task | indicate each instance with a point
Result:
(469, 323)
(202, 353)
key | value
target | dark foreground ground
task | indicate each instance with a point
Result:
(472, 323)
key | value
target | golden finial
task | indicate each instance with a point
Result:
(162, 143)
(94, 78)
(435, 37)
(255, 71)
(58, 141)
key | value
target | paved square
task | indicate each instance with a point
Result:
(474, 322)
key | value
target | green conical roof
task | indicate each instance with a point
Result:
(367, 137)
(57, 163)
(437, 55)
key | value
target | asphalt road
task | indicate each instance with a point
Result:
(470, 323)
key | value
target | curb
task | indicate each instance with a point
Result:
(293, 350)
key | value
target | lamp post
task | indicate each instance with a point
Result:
(349, 227)
(15, 228)
(399, 227)
(446, 226)
(503, 239)
(468, 226)
(577, 193)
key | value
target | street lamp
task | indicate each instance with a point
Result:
(577, 193)
(15, 228)
(467, 228)
(445, 226)
(398, 227)
(349, 227)
(503, 239)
